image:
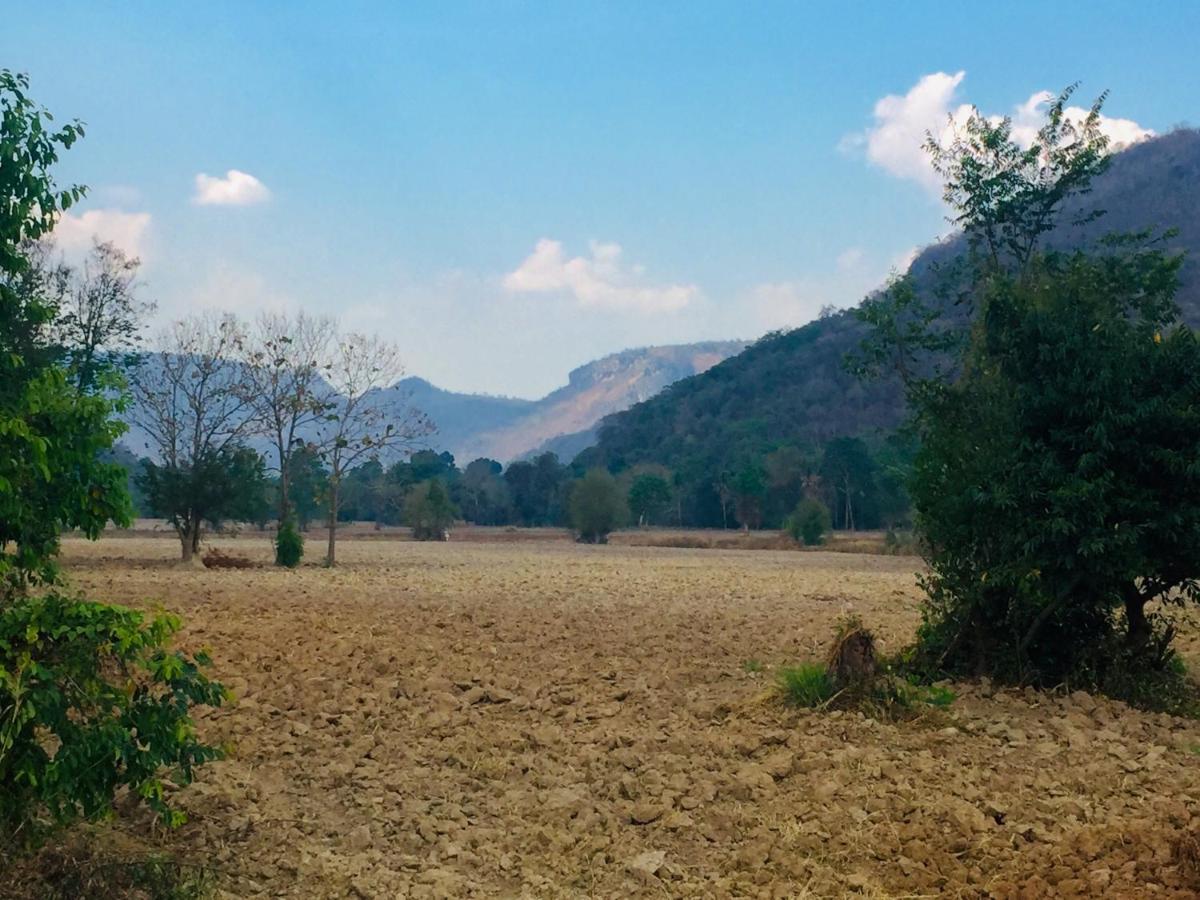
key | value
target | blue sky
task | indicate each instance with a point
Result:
(510, 190)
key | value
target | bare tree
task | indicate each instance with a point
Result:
(192, 400)
(363, 420)
(100, 313)
(288, 397)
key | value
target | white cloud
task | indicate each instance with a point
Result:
(1031, 115)
(895, 142)
(601, 281)
(128, 230)
(235, 189)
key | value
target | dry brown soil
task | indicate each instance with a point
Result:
(547, 720)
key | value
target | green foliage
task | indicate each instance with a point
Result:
(807, 685)
(428, 510)
(48, 424)
(289, 545)
(92, 699)
(753, 666)
(809, 522)
(597, 507)
(649, 495)
(1057, 485)
(229, 484)
(152, 876)
(482, 493)
(538, 488)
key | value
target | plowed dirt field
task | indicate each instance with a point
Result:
(546, 720)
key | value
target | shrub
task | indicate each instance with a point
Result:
(428, 511)
(596, 506)
(289, 545)
(807, 684)
(92, 699)
(809, 523)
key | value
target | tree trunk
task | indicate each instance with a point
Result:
(331, 553)
(185, 546)
(1135, 615)
(284, 499)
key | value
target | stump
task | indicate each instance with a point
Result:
(852, 659)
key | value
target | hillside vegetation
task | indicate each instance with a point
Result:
(791, 389)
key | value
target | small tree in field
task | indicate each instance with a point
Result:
(649, 495)
(92, 698)
(1057, 485)
(360, 420)
(597, 507)
(810, 522)
(428, 510)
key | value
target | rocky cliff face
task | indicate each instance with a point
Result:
(592, 392)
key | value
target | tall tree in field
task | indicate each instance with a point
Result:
(1057, 484)
(284, 356)
(362, 421)
(194, 403)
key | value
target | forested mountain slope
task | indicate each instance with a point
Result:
(791, 388)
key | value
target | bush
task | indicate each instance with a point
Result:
(92, 700)
(429, 512)
(809, 523)
(289, 545)
(597, 507)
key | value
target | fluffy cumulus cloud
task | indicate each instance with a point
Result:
(235, 189)
(599, 281)
(75, 233)
(902, 122)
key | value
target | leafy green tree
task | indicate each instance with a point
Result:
(809, 522)
(229, 484)
(848, 472)
(483, 494)
(92, 699)
(1057, 485)
(786, 469)
(48, 426)
(428, 511)
(597, 507)
(749, 491)
(649, 495)
(538, 487)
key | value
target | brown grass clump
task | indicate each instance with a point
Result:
(217, 559)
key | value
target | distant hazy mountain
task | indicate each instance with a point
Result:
(474, 425)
